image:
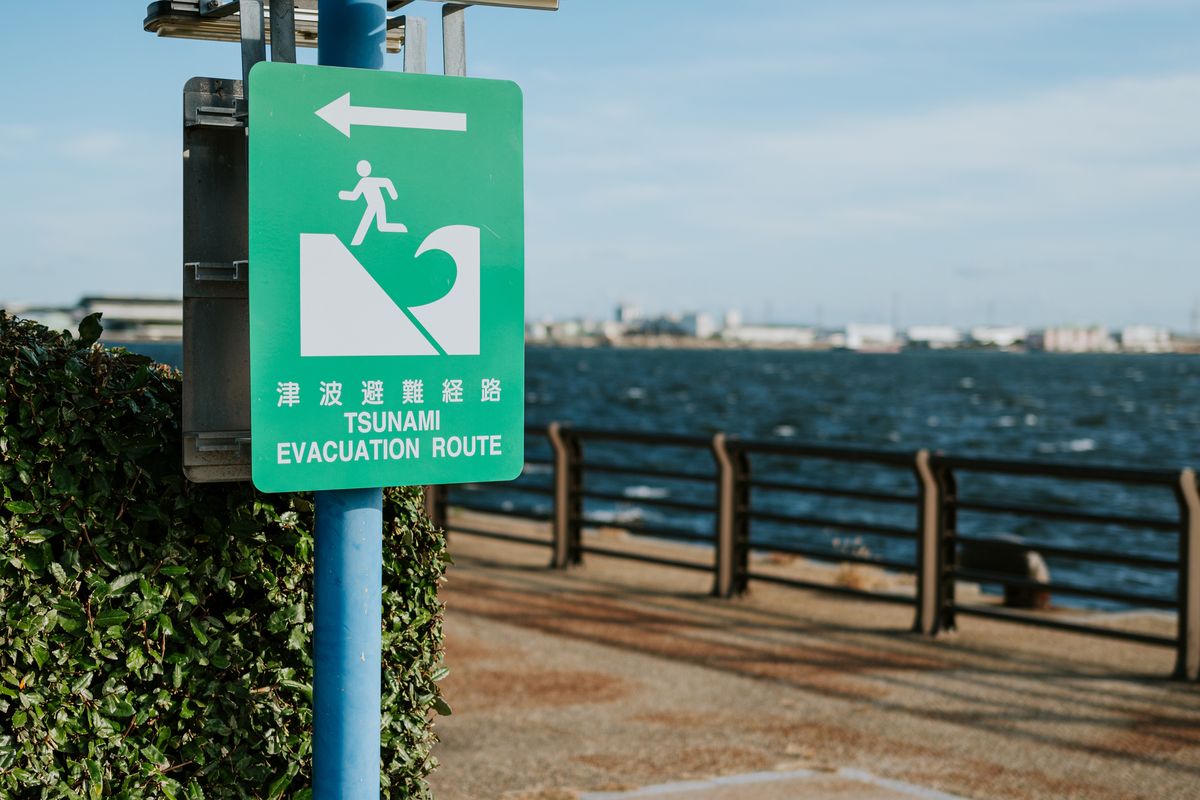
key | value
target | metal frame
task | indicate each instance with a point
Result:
(454, 39)
(216, 321)
(254, 37)
(193, 19)
(216, 394)
(414, 44)
(283, 26)
(216, 316)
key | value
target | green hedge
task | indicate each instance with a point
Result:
(155, 636)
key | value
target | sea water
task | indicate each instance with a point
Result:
(1123, 410)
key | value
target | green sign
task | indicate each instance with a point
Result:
(386, 279)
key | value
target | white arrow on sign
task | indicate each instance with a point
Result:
(341, 115)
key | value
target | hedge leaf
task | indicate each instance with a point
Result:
(156, 635)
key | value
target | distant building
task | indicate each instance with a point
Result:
(56, 319)
(1002, 336)
(564, 329)
(612, 329)
(871, 337)
(698, 325)
(537, 331)
(664, 325)
(732, 320)
(1145, 339)
(772, 335)
(1078, 340)
(628, 314)
(934, 337)
(591, 327)
(125, 319)
(136, 318)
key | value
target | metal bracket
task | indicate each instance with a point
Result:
(219, 104)
(215, 117)
(221, 441)
(250, 23)
(217, 456)
(218, 8)
(219, 271)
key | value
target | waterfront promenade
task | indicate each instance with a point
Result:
(614, 678)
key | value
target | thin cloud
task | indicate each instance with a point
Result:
(793, 205)
(1095, 144)
(16, 138)
(96, 144)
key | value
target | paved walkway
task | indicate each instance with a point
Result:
(619, 679)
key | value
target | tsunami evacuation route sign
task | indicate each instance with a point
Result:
(386, 279)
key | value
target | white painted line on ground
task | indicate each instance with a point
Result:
(750, 778)
(711, 783)
(896, 786)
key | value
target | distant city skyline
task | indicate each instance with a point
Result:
(146, 319)
(1033, 162)
(767, 314)
(898, 323)
(767, 317)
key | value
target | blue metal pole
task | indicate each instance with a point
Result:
(350, 33)
(348, 606)
(347, 644)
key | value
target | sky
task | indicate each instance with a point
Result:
(954, 162)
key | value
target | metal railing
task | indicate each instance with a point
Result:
(947, 476)
(761, 489)
(907, 513)
(537, 462)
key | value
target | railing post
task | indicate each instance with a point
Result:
(929, 502)
(935, 547)
(1187, 658)
(948, 548)
(732, 565)
(568, 497)
(435, 505)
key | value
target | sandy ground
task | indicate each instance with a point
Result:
(617, 675)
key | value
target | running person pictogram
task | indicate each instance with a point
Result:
(372, 190)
